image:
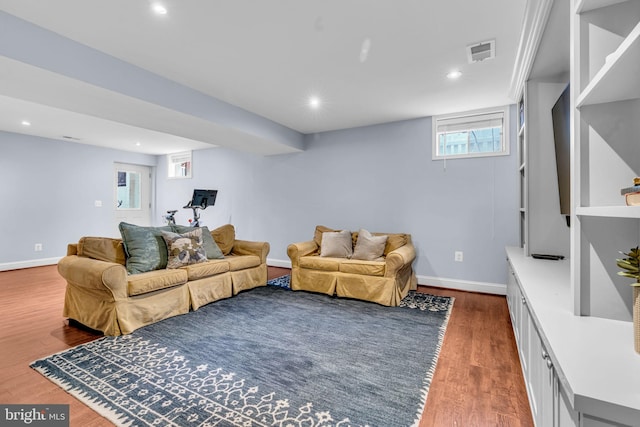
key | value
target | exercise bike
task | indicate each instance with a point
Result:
(201, 199)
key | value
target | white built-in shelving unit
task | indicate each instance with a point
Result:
(606, 157)
(522, 159)
(572, 319)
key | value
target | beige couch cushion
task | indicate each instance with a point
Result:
(224, 237)
(317, 235)
(362, 267)
(336, 244)
(206, 269)
(141, 283)
(394, 241)
(240, 262)
(369, 247)
(321, 263)
(102, 248)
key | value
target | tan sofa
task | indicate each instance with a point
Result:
(102, 295)
(385, 280)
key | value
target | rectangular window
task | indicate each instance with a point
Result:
(472, 134)
(179, 165)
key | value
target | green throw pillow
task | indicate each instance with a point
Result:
(210, 245)
(144, 246)
(184, 249)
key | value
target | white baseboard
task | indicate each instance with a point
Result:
(463, 285)
(437, 282)
(29, 263)
(278, 263)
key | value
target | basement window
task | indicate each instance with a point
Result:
(479, 133)
(179, 165)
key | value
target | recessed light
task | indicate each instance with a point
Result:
(159, 9)
(26, 123)
(455, 74)
(314, 102)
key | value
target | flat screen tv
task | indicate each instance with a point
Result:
(560, 115)
(204, 198)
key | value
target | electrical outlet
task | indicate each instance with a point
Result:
(458, 256)
(38, 247)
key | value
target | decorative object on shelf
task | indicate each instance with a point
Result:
(631, 269)
(632, 194)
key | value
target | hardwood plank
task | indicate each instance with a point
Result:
(477, 382)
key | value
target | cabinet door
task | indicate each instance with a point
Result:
(565, 415)
(512, 290)
(542, 379)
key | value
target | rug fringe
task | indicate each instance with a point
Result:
(431, 371)
(118, 418)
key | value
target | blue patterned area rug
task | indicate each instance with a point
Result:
(266, 357)
(282, 281)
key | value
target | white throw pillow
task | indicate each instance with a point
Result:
(368, 246)
(336, 244)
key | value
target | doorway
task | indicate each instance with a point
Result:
(132, 194)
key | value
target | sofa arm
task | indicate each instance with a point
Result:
(246, 247)
(300, 249)
(399, 258)
(94, 275)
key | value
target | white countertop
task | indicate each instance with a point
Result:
(594, 357)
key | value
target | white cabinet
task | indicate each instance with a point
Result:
(541, 379)
(579, 371)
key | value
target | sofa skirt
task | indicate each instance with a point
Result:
(113, 317)
(387, 291)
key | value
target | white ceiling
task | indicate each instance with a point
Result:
(368, 61)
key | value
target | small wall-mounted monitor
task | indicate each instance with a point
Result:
(204, 198)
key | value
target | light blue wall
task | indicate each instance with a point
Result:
(380, 178)
(48, 191)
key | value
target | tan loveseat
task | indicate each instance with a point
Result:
(384, 280)
(102, 295)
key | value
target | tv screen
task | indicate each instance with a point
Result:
(560, 115)
(204, 198)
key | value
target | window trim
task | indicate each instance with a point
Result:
(177, 159)
(485, 111)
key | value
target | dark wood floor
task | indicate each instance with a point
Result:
(477, 382)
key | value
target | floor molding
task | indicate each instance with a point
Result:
(278, 263)
(17, 265)
(463, 285)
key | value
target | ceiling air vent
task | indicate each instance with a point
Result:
(481, 51)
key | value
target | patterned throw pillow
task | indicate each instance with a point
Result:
(210, 245)
(184, 249)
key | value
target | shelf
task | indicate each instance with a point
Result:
(609, 211)
(617, 80)
(583, 6)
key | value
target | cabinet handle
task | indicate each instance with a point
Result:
(549, 363)
(524, 301)
(545, 355)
